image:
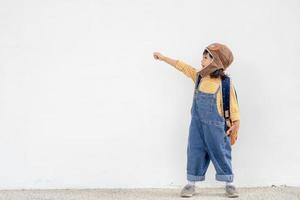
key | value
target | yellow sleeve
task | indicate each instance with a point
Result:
(234, 107)
(186, 69)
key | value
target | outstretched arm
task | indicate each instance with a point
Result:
(185, 68)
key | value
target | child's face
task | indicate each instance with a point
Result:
(206, 60)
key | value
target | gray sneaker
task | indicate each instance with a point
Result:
(187, 191)
(231, 191)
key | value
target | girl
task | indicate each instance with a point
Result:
(207, 137)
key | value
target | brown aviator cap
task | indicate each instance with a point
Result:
(222, 58)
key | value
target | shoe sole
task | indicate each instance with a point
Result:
(232, 195)
(186, 195)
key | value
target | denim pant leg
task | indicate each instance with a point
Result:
(219, 150)
(197, 156)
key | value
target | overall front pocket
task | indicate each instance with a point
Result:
(204, 105)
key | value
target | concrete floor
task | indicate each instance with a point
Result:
(261, 193)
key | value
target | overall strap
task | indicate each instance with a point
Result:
(226, 99)
(216, 92)
(198, 79)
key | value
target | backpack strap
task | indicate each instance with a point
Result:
(226, 101)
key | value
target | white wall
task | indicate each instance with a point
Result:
(85, 105)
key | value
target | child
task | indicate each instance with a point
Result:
(207, 137)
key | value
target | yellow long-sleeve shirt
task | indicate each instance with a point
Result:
(210, 85)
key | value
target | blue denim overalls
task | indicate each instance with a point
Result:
(207, 139)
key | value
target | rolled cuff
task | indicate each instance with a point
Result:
(225, 178)
(234, 116)
(195, 178)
